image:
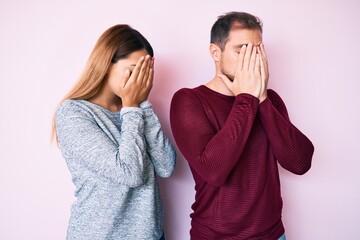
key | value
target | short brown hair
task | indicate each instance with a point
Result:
(221, 28)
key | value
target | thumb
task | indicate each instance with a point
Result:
(225, 79)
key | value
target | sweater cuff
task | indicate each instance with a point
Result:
(126, 110)
(246, 98)
(145, 104)
(265, 105)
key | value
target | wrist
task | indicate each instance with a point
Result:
(262, 98)
(130, 104)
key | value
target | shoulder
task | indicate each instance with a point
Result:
(275, 99)
(184, 91)
(273, 95)
(68, 106)
(73, 108)
(184, 99)
(187, 94)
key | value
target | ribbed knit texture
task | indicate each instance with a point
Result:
(233, 145)
(114, 158)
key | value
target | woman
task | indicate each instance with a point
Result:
(113, 144)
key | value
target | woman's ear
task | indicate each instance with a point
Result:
(215, 52)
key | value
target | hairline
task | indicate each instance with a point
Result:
(235, 25)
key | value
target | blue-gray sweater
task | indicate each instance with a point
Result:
(114, 158)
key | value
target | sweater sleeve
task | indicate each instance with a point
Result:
(159, 148)
(291, 148)
(82, 140)
(213, 155)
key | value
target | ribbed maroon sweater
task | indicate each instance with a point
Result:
(232, 145)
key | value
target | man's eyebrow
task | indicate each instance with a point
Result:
(240, 45)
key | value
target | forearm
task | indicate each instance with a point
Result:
(291, 147)
(86, 142)
(159, 148)
(132, 146)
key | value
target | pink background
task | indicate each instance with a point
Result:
(313, 49)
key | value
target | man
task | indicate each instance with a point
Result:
(233, 131)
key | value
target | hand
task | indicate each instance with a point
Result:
(135, 87)
(247, 77)
(264, 71)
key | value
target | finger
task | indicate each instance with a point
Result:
(264, 61)
(241, 57)
(151, 73)
(253, 60)
(247, 57)
(152, 62)
(136, 70)
(150, 80)
(125, 78)
(264, 78)
(144, 69)
(257, 64)
(147, 70)
(263, 70)
(264, 58)
(262, 48)
(225, 79)
(150, 69)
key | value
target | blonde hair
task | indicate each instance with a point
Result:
(115, 43)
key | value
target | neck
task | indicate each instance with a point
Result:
(107, 100)
(217, 85)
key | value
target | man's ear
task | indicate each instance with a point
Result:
(215, 52)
